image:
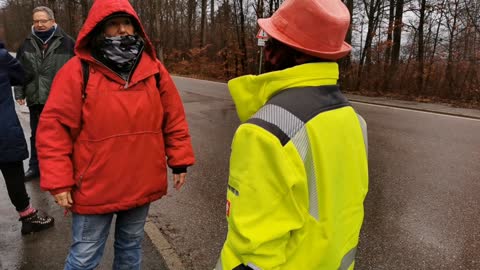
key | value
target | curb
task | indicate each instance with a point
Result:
(415, 109)
(171, 258)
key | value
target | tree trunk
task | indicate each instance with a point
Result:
(212, 12)
(203, 23)
(84, 4)
(346, 62)
(192, 4)
(373, 14)
(175, 24)
(420, 45)
(259, 10)
(397, 33)
(435, 44)
(273, 6)
(240, 30)
(449, 69)
(391, 25)
(243, 44)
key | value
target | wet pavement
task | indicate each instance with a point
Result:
(422, 210)
(48, 249)
(423, 206)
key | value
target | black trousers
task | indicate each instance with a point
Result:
(14, 177)
(35, 111)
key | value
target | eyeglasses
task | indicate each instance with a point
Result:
(41, 21)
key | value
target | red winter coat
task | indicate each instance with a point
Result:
(110, 149)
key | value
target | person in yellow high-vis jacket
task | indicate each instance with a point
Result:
(298, 167)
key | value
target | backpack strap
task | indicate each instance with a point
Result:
(157, 80)
(86, 74)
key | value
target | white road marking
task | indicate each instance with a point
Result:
(416, 110)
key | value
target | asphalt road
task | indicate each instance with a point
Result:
(422, 210)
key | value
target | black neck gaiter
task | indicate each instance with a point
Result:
(121, 52)
(45, 35)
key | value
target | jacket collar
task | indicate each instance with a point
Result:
(57, 33)
(251, 92)
(50, 37)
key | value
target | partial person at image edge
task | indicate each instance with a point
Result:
(13, 147)
(298, 167)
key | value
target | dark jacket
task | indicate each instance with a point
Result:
(42, 66)
(13, 146)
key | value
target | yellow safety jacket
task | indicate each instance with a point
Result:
(298, 173)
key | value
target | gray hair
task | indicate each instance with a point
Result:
(46, 10)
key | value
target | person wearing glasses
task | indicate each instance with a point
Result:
(45, 50)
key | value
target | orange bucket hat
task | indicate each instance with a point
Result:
(315, 27)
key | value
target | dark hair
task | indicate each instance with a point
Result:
(286, 56)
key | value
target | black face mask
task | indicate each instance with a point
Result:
(122, 51)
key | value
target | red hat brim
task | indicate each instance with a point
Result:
(267, 25)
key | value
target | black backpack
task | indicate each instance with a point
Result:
(86, 74)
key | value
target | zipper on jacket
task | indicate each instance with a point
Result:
(127, 81)
(37, 68)
(133, 67)
(80, 179)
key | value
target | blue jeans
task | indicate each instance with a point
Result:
(90, 232)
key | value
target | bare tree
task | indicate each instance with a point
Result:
(397, 32)
(391, 26)
(215, 38)
(420, 46)
(452, 30)
(203, 23)
(373, 12)
(346, 62)
(192, 5)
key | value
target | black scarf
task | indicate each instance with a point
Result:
(121, 52)
(44, 36)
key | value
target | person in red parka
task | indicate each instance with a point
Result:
(104, 144)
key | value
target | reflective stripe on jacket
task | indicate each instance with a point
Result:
(298, 173)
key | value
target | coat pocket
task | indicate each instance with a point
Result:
(81, 172)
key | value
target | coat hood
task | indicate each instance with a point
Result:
(100, 10)
(251, 92)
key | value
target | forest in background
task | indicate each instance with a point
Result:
(425, 50)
